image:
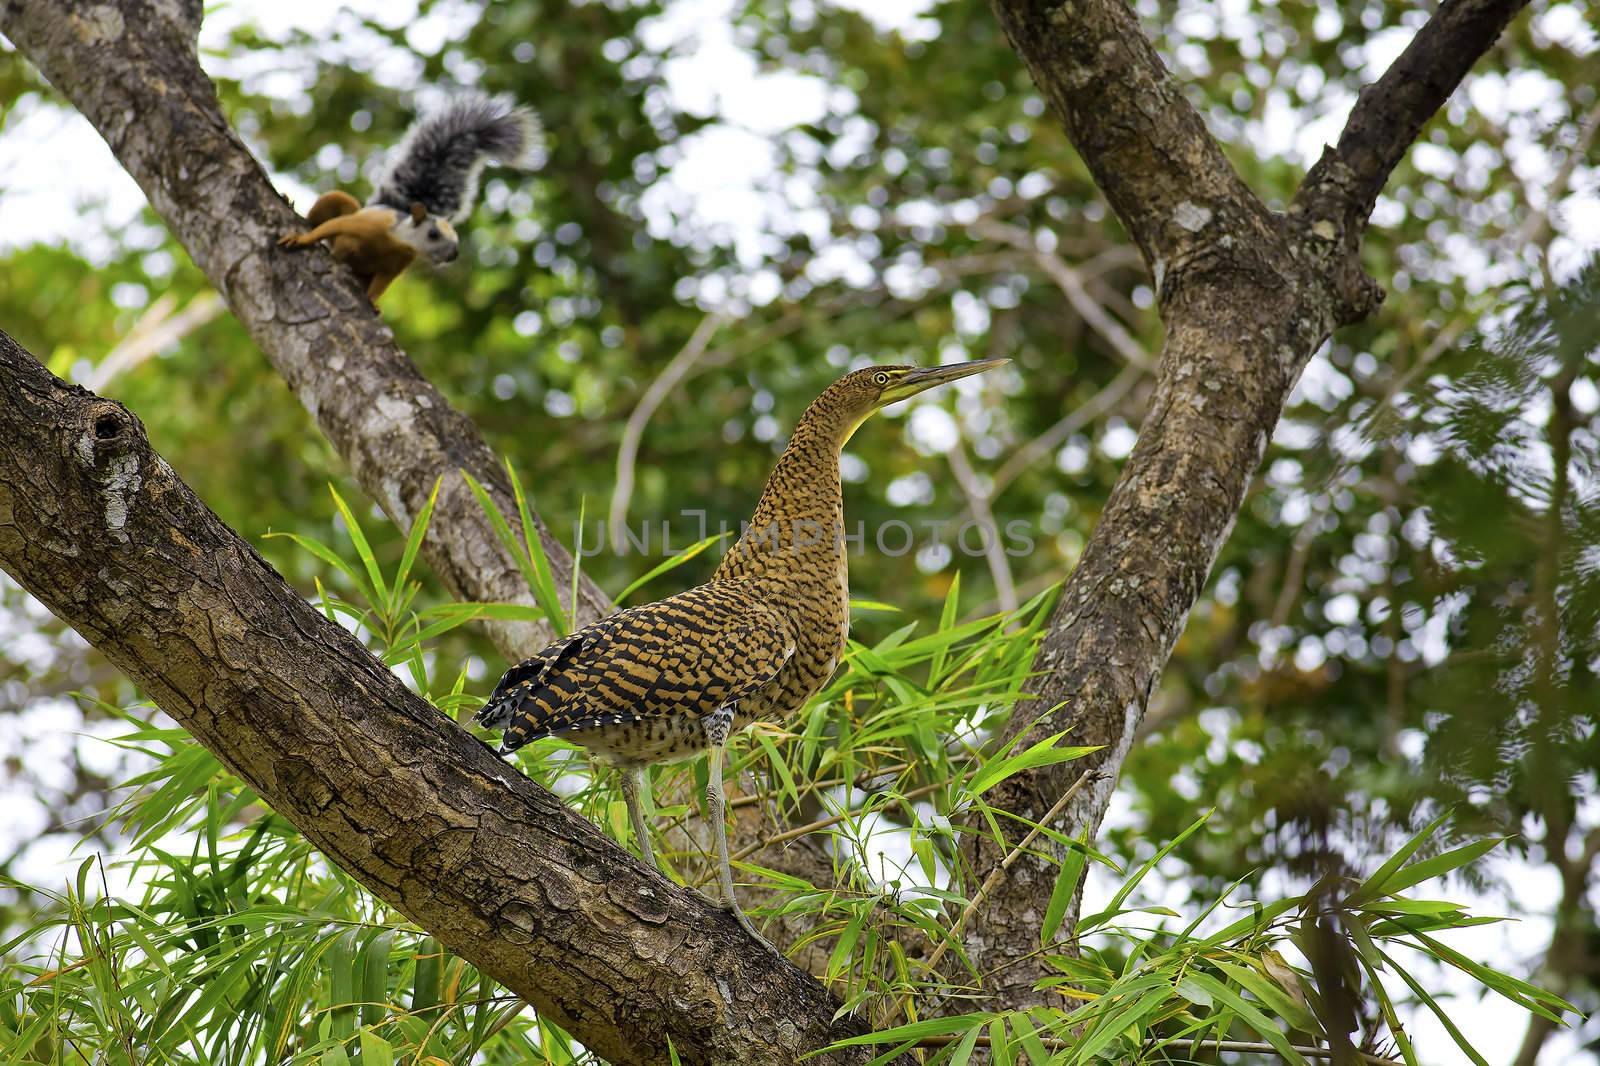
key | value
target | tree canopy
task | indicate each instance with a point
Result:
(1399, 623)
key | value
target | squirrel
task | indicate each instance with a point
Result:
(429, 182)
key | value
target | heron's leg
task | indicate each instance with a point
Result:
(717, 805)
(633, 779)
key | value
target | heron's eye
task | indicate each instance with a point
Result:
(880, 378)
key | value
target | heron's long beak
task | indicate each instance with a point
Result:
(929, 377)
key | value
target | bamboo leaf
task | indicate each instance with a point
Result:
(419, 530)
(358, 539)
(1252, 1016)
(1437, 866)
(1438, 1012)
(955, 1023)
(1044, 753)
(1066, 886)
(375, 1050)
(1372, 887)
(670, 564)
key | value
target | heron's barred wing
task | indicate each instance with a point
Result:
(495, 713)
(680, 658)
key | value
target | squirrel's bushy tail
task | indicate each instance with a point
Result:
(438, 162)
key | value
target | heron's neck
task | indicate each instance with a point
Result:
(798, 521)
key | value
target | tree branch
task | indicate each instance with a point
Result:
(1073, 287)
(1390, 113)
(133, 74)
(129, 66)
(1147, 148)
(98, 527)
(978, 499)
(1247, 300)
(1330, 210)
(633, 433)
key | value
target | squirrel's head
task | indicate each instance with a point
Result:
(429, 234)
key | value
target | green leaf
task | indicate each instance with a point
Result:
(790, 791)
(1115, 906)
(1044, 753)
(1192, 991)
(1130, 1011)
(947, 619)
(999, 1043)
(1372, 887)
(359, 539)
(329, 556)
(963, 1052)
(1297, 1014)
(1438, 1012)
(955, 1023)
(372, 970)
(545, 582)
(1252, 1016)
(1023, 1030)
(1437, 866)
(1066, 886)
(1529, 997)
(527, 554)
(1260, 918)
(375, 1050)
(669, 565)
(342, 985)
(419, 530)
(425, 987)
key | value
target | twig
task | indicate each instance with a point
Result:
(1299, 553)
(1048, 441)
(1051, 1043)
(155, 329)
(1388, 115)
(1005, 585)
(1071, 284)
(1538, 219)
(821, 823)
(990, 883)
(654, 396)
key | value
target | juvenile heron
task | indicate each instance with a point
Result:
(667, 680)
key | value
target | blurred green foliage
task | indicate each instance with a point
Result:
(1378, 639)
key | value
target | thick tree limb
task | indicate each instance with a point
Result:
(1330, 210)
(1391, 112)
(98, 527)
(1247, 297)
(129, 66)
(1147, 148)
(133, 74)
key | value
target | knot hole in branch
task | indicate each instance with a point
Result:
(109, 431)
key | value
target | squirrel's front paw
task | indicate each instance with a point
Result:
(291, 240)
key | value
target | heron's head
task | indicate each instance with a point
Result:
(857, 396)
(430, 235)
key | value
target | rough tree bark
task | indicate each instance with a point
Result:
(97, 526)
(1247, 296)
(130, 67)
